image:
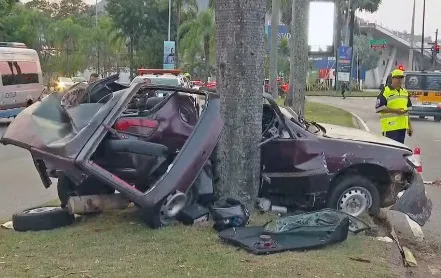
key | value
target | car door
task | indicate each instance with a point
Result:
(295, 166)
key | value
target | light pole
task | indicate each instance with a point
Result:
(169, 18)
(412, 38)
(422, 35)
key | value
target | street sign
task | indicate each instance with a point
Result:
(378, 44)
(344, 63)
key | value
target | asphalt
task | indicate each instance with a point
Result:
(427, 136)
(20, 186)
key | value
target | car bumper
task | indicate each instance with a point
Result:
(414, 202)
(426, 110)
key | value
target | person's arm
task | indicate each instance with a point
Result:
(409, 107)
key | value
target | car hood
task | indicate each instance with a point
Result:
(355, 134)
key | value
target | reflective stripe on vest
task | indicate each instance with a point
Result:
(395, 100)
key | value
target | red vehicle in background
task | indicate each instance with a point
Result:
(282, 86)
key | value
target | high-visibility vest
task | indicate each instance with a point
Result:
(395, 100)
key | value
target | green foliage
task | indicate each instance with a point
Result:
(368, 57)
(196, 44)
(129, 33)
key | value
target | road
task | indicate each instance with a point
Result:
(20, 186)
(427, 136)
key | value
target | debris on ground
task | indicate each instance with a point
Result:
(385, 239)
(295, 232)
(7, 225)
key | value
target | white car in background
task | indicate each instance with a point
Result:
(21, 79)
(162, 77)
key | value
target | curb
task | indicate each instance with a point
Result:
(360, 123)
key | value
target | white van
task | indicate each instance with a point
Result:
(21, 79)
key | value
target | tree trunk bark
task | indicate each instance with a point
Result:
(178, 22)
(131, 62)
(240, 53)
(299, 56)
(273, 88)
(207, 57)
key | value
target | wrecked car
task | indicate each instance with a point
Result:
(158, 153)
(309, 165)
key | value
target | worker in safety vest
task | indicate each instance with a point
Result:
(393, 103)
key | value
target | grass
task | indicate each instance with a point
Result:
(338, 94)
(117, 245)
(323, 113)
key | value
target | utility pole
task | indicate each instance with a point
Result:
(412, 38)
(434, 51)
(422, 35)
(299, 56)
(348, 17)
(169, 18)
(273, 88)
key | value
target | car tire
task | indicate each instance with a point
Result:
(437, 118)
(66, 188)
(152, 218)
(41, 218)
(356, 182)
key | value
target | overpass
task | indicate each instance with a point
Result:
(397, 52)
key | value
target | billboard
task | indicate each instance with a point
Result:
(169, 55)
(344, 63)
(321, 27)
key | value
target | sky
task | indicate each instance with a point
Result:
(397, 15)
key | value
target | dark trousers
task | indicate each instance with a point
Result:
(397, 135)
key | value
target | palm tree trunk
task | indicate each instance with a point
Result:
(207, 57)
(178, 22)
(131, 62)
(299, 56)
(274, 48)
(240, 54)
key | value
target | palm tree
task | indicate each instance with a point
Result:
(180, 5)
(240, 51)
(197, 37)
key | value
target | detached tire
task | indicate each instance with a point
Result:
(355, 190)
(42, 218)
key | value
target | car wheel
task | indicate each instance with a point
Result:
(42, 218)
(422, 117)
(437, 118)
(158, 217)
(66, 188)
(355, 194)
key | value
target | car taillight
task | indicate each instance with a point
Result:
(126, 123)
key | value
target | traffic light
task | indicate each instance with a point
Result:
(437, 48)
(401, 67)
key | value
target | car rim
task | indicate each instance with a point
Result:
(40, 210)
(355, 201)
(171, 207)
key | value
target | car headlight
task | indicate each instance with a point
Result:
(413, 161)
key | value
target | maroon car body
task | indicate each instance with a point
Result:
(304, 164)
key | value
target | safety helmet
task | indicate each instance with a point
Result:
(187, 75)
(397, 73)
(228, 214)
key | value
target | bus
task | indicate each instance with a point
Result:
(21, 78)
(424, 88)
